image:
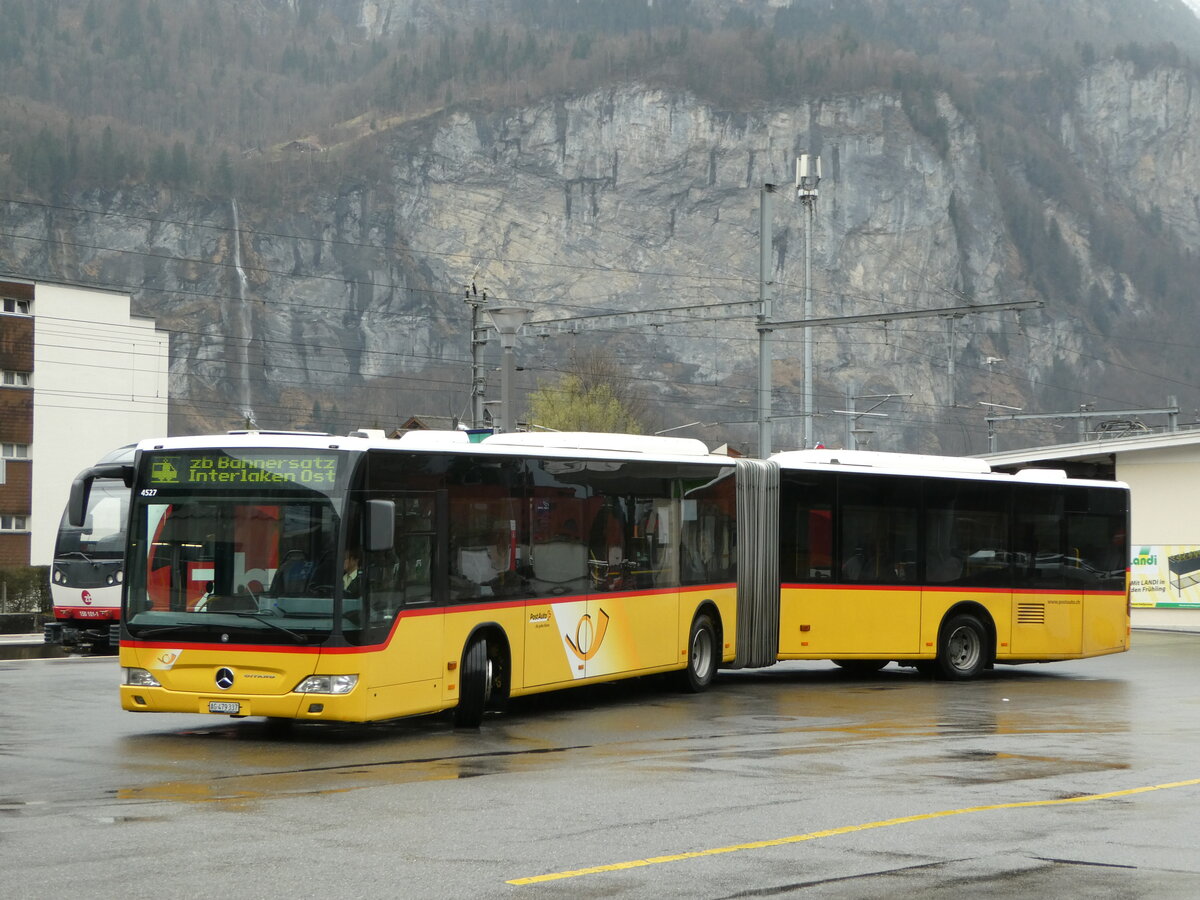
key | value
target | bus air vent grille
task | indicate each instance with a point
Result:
(1031, 614)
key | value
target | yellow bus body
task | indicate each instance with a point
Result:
(898, 623)
(551, 644)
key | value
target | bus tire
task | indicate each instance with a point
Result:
(962, 648)
(861, 666)
(702, 655)
(475, 685)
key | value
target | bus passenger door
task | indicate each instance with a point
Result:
(632, 618)
(400, 606)
(558, 571)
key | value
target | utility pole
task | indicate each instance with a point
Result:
(508, 320)
(765, 287)
(478, 339)
(951, 334)
(808, 176)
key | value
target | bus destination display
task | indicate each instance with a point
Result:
(219, 469)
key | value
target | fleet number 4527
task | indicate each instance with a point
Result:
(149, 492)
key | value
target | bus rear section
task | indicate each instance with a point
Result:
(947, 567)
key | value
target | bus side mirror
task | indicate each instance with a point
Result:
(381, 525)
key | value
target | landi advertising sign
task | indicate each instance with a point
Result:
(1165, 576)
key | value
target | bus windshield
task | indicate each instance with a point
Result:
(246, 559)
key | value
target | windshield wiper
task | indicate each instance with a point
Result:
(163, 629)
(263, 617)
(78, 553)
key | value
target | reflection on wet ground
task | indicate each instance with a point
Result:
(750, 722)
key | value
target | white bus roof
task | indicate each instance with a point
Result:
(874, 459)
(919, 464)
(646, 445)
(555, 444)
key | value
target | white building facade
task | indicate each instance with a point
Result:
(98, 380)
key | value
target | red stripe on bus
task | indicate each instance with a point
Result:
(951, 589)
(413, 613)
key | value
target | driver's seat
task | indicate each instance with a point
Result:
(292, 576)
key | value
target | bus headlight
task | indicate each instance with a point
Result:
(59, 577)
(327, 684)
(140, 678)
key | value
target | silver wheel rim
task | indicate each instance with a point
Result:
(487, 680)
(964, 648)
(702, 653)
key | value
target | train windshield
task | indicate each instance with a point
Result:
(102, 537)
(236, 547)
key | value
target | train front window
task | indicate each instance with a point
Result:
(101, 537)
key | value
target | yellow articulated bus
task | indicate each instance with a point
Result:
(320, 578)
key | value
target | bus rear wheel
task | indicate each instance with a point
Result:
(962, 648)
(702, 655)
(475, 685)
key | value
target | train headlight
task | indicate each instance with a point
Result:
(140, 678)
(327, 684)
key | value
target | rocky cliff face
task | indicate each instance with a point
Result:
(349, 310)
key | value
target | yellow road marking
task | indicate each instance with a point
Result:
(845, 829)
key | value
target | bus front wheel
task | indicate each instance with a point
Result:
(962, 648)
(475, 685)
(702, 655)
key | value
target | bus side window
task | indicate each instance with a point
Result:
(966, 534)
(878, 530)
(806, 537)
(708, 532)
(1038, 537)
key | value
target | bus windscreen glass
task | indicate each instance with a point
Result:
(237, 546)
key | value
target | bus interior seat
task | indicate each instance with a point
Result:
(293, 574)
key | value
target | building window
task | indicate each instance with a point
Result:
(17, 307)
(14, 451)
(14, 523)
(16, 379)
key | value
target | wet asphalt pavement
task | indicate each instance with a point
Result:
(1069, 779)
